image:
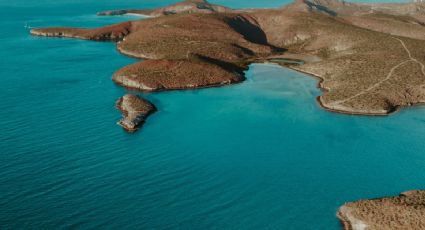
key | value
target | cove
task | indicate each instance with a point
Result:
(257, 155)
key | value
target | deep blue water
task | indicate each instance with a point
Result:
(257, 155)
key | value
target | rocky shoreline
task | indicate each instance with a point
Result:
(363, 71)
(181, 74)
(115, 32)
(406, 211)
(349, 222)
(135, 111)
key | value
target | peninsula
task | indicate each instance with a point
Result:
(369, 57)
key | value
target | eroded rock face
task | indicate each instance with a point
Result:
(406, 211)
(135, 111)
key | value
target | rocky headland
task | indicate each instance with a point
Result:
(406, 211)
(369, 57)
(135, 111)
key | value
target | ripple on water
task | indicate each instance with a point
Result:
(256, 155)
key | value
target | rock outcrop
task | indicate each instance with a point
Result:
(406, 211)
(114, 32)
(135, 111)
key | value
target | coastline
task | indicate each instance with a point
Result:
(319, 85)
(402, 211)
(345, 223)
(348, 222)
(344, 213)
(139, 15)
(312, 58)
(118, 34)
(129, 53)
(323, 106)
(182, 89)
(34, 32)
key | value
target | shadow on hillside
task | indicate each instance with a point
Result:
(251, 32)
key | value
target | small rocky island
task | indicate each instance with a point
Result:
(135, 111)
(406, 211)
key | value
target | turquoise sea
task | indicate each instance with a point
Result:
(257, 155)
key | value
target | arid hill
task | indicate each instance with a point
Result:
(369, 57)
(184, 51)
(406, 19)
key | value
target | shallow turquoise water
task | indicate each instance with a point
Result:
(258, 155)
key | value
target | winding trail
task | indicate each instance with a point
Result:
(411, 59)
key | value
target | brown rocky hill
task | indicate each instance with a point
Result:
(369, 57)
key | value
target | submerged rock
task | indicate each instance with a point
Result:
(135, 111)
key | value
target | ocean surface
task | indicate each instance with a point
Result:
(258, 155)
